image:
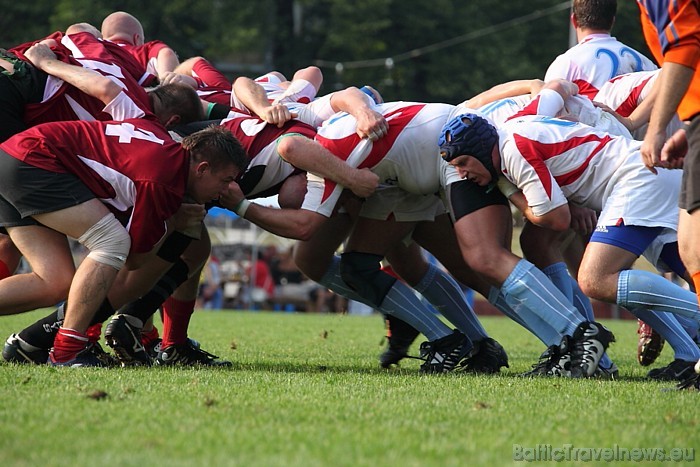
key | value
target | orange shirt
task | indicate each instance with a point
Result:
(672, 31)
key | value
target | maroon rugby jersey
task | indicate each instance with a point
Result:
(133, 166)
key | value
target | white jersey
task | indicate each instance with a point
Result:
(626, 92)
(595, 60)
(554, 160)
(576, 108)
(407, 157)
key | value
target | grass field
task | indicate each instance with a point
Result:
(306, 390)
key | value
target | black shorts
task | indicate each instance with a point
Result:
(26, 190)
(690, 186)
(24, 86)
(466, 197)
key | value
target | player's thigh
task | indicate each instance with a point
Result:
(313, 256)
(377, 236)
(408, 262)
(46, 250)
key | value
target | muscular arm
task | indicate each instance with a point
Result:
(501, 91)
(254, 97)
(88, 81)
(166, 61)
(557, 219)
(300, 224)
(370, 123)
(310, 156)
(672, 85)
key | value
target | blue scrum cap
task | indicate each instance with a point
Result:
(469, 135)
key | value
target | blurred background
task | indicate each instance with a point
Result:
(436, 51)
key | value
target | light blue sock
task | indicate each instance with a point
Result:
(670, 329)
(403, 303)
(533, 323)
(690, 326)
(528, 287)
(643, 289)
(400, 302)
(558, 273)
(581, 301)
(445, 294)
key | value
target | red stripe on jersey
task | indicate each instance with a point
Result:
(529, 109)
(632, 101)
(585, 88)
(536, 153)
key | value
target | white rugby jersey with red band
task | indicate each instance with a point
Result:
(406, 157)
(552, 160)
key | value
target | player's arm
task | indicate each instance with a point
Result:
(88, 81)
(558, 219)
(254, 98)
(166, 61)
(504, 90)
(299, 224)
(310, 156)
(672, 85)
(370, 123)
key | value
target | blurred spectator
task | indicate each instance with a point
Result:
(211, 293)
(261, 286)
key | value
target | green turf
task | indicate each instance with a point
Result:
(306, 390)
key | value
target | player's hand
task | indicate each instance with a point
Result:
(371, 125)
(230, 198)
(189, 216)
(364, 182)
(38, 54)
(583, 220)
(674, 151)
(276, 114)
(651, 150)
(170, 77)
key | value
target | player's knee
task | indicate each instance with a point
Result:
(107, 241)
(362, 273)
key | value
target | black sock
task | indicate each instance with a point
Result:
(103, 312)
(146, 306)
(42, 333)
(401, 331)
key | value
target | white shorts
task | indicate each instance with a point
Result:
(393, 202)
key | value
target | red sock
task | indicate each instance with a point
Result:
(94, 332)
(176, 320)
(4, 270)
(147, 337)
(67, 344)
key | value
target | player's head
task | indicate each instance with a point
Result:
(120, 25)
(594, 14)
(83, 27)
(176, 104)
(216, 159)
(469, 135)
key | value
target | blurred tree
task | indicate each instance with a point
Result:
(442, 50)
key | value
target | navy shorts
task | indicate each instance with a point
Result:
(466, 197)
(26, 190)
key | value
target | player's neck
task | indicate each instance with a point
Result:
(583, 34)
